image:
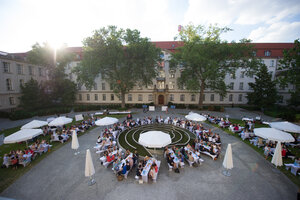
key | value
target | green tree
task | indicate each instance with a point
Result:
(205, 59)
(290, 71)
(59, 89)
(30, 95)
(122, 57)
(264, 89)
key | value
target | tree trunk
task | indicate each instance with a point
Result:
(123, 99)
(200, 103)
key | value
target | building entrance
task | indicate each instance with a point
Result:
(161, 99)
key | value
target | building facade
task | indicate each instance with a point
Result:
(15, 71)
(165, 88)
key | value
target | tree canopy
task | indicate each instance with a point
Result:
(58, 88)
(205, 59)
(264, 89)
(122, 57)
(290, 71)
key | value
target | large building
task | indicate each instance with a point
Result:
(16, 71)
(165, 88)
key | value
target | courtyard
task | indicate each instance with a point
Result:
(61, 174)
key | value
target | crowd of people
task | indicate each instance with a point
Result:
(37, 147)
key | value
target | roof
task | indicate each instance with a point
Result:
(275, 49)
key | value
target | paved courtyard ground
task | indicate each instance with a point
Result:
(61, 176)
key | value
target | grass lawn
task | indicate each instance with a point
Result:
(8, 175)
(294, 151)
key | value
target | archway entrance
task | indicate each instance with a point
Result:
(161, 99)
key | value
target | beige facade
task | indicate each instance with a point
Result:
(165, 89)
(14, 72)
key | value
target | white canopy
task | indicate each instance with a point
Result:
(34, 124)
(106, 121)
(89, 166)
(75, 143)
(195, 117)
(50, 119)
(60, 121)
(155, 139)
(227, 163)
(273, 134)
(22, 135)
(285, 126)
(277, 157)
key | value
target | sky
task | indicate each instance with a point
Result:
(25, 22)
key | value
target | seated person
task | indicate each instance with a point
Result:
(123, 170)
(139, 171)
(191, 158)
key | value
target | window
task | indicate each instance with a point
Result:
(11, 100)
(6, 67)
(40, 72)
(104, 97)
(22, 82)
(8, 84)
(171, 97)
(140, 97)
(240, 97)
(232, 75)
(112, 97)
(230, 97)
(80, 97)
(242, 74)
(88, 97)
(221, 98)
(20, 69)
(272, 63)
(150, 97)
(129, 97)
(241, 86)
(254, 53)
(193, 97)
(96, 97)
(203, 97)
(171, 85)
(182, 97)
(212, 97)
(231, 86)
(95, 86)
(172, 74)
(31, 71)
(103, 86)
(267, 53)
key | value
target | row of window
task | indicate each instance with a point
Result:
(20, 69)
(9, 85)
(150, 97)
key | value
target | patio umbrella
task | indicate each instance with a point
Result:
(195, 117)
(277, 157)
(50, 119)
(273, 134)
(34, 124)
(89, 167)
(22, 135)
(227, 162)
(75, 144)
(155, 139)
(285, 126)
(106, 121)
(60, 121)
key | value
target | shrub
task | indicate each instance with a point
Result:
(21, 114)
(4, 114)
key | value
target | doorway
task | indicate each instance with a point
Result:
(161, 99)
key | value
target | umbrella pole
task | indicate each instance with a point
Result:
(91, 181)
(226, 172)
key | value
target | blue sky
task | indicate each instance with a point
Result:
(25, 22)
